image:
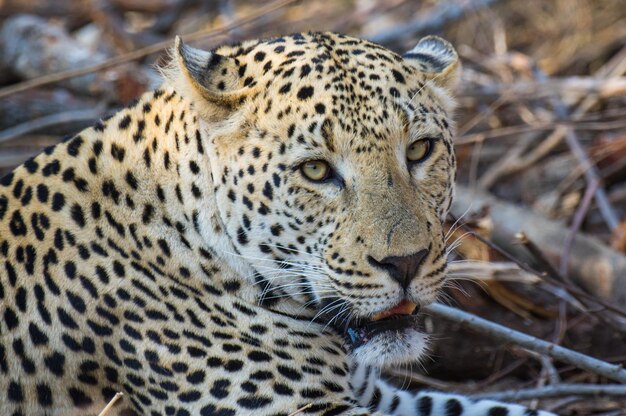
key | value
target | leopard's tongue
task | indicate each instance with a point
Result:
(406, 307)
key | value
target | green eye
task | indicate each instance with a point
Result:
(420, 150)
(315, 170)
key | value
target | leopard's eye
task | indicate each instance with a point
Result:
(419, 151)
(315, 170)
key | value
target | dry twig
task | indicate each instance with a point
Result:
(559, 390)
(593, 265)
(300, 410)
(502, 333)
(439, 16)
(140, 53)
(48, 121)
(111, 403)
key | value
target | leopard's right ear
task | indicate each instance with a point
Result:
(209, 76)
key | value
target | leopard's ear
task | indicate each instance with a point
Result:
(437, 59)
(209, 76)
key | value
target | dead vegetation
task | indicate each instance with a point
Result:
(541, 204)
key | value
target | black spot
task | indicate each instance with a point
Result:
(7, 179)
(55, 363)
(233, 365)
(73, 146)
(58, 201)
(276, 230)
(165, 248)
(195, 191)
(67, 321)
(309, 393)
(398, 76)
(425, 406)
(242, 237)
(44, 395)
(498, 411)
(148, 212)
(259, 356)
(305, 70)
(117, 152)
(31, 166)
(18, 188)
(79, 398)
(290, 373)
(118, 268)
(99, 330)
(95, 210)
(285, 88)
(42, 195)
(77, 215)
(211, 410)
(131, 180)
(20, 299)
(283, 389)
(320, 108)
(36, 336)
(124, 122)
(10, 318)
(267, 191)
(220, 388)
(97, 147)
(196, 377)
(52, 168)
(453, 408)
(305, 93)
(254, 401)
(4, 203)
(193, 166)
(232, 286)
(259, 56)
(17, 225)
(14, 392)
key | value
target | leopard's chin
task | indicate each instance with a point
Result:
(385, 338)
(391, 348)
(389, 338)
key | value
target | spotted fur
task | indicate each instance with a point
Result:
(175, 252)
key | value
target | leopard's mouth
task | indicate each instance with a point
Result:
(400, 318)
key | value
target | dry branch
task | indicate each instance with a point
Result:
(504, 334)
(559, 390)
(594, 266)
(441, 14)
(140, 53)
(569, 87)
(31, 47)
(38, 103)
(42, 7)
(76, 116)
(111, 403)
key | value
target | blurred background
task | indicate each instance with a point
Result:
(541, 146)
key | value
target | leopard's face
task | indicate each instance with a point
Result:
(333, 170)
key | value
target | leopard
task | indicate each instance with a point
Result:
(256, 236)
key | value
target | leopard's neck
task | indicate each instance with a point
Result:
(156, 180)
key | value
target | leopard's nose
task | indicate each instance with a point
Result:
(402, 269)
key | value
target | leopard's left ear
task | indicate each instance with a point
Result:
(204, 75)
(437, 59)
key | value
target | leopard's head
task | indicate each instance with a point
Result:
(333, 168)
